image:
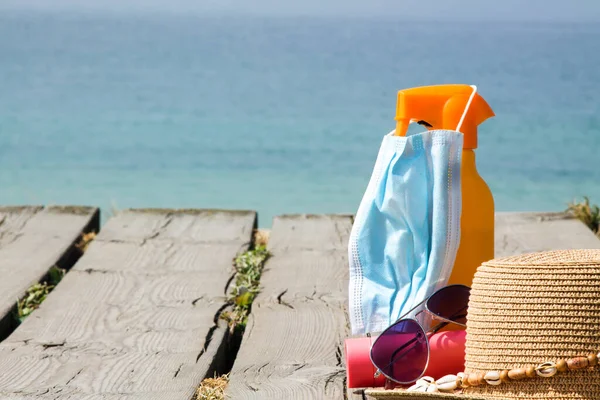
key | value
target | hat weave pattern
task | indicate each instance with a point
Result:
(529, 309)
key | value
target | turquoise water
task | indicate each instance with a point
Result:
(279, 115)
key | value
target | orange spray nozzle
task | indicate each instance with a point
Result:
(442, 107)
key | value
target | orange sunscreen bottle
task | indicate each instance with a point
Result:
(442, 107)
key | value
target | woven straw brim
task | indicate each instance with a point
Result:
(404, 395)
(535, 308)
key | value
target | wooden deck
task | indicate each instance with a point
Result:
(136, 317)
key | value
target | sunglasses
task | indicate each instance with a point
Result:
(401, 352)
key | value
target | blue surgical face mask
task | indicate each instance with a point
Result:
(407, 229)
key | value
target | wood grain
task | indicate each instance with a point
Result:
(32, 240)
(518, 233)
(137, 315)
(293, 344)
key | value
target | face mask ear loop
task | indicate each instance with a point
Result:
(466, 108)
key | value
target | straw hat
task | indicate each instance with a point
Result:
(525, 311)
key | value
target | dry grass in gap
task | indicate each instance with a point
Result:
(261, 237)
(212, 388)
(84, 242)
(586, 213)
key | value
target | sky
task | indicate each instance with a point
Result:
(506, 10)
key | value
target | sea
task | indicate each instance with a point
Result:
(280, 115)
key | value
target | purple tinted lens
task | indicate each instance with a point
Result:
(401, 352)
(451, 303)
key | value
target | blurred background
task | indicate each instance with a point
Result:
(280, 107)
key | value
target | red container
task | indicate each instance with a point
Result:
(446, 356)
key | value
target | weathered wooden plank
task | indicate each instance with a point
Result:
(136, 316)
(32, 240)
(518, 233)
(292, 347)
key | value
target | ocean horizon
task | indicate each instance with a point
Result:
(278, 114)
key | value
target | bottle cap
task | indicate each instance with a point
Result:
(453, 107)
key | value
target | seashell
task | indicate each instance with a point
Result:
(447, 383)
(417, 387)
(432, 388)
(592, 359)
(493, 378)
(427, 380)
(421, 385)
(546, 370)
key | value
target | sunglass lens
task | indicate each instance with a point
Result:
(450, 303)
(401, 352)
